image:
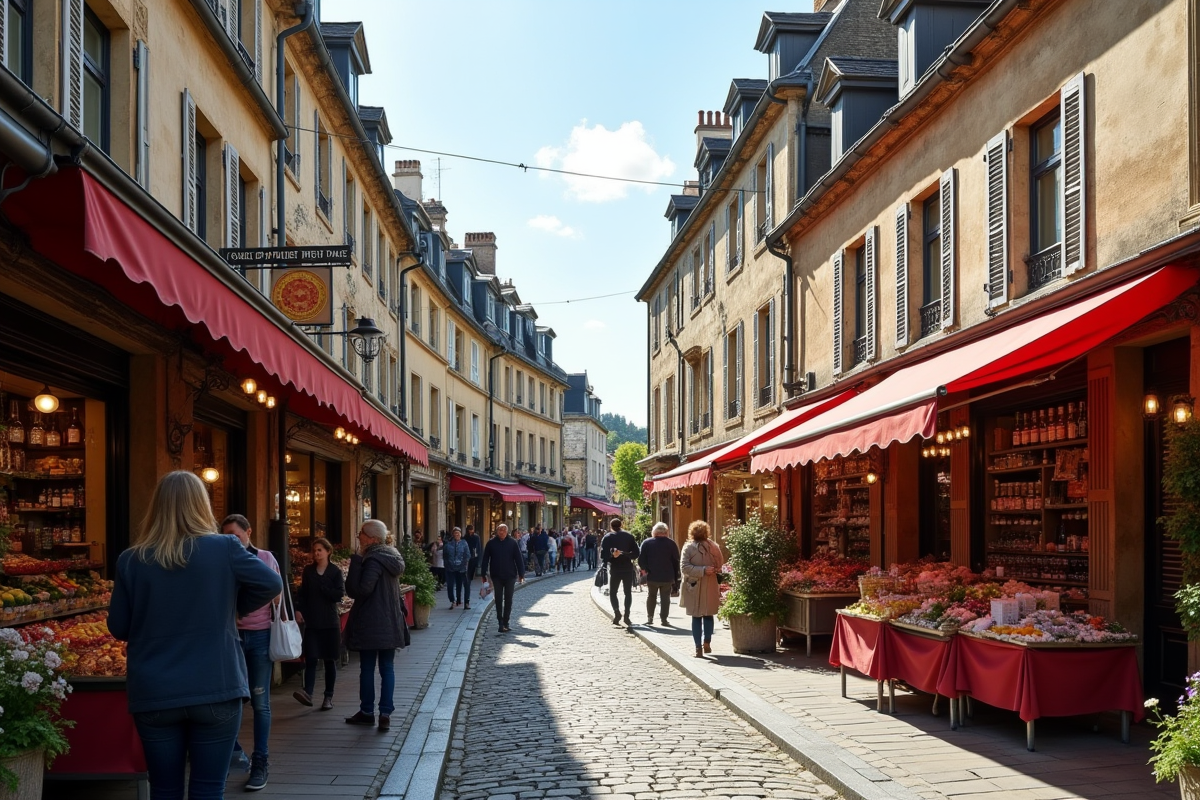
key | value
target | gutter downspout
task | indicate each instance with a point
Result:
(682, 395)
(491, 398)
(789, 278)
(420, 254)
(306, 21)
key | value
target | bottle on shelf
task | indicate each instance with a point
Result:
(1072, 422)
(16, 431)
(1083, 420)
(1061, 430)
(74, 431)
(1061, 543)
(53, 435)
(37, 433)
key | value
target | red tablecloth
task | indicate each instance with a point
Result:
(1045, 683)
(104, 740)
(919, 661)
(860, 644)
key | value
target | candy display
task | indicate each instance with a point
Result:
(91, 649)
(21, 564)
(1053, 626)
(825, 573)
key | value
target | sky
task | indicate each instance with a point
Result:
(609, 88)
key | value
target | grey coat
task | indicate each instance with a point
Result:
(377, 616)
(699, 595)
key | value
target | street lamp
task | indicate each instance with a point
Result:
(366, 339)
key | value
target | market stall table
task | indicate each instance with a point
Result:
(813, 614)
(1051, 680)
(104, 741)
(920, 657)
(858, 643)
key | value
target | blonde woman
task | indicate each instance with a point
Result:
(176, 597)
(699, 596)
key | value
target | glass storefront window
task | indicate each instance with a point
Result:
(312, 486)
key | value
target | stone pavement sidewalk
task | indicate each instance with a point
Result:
(796, 701)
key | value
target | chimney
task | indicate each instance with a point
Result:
(820, 4)
(407, 179)
(691, 188)
(483, 245)
(437, 214)
(714, 125)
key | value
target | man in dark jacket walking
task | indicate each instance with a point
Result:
(472, 540)
(618, 549)
(659, 561)
(502, 563)
(540, 542)
(376, 627)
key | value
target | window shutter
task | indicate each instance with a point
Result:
(771, 325)
(769, 189)
(725, 376)
(871, 266)
(296, 128)
(190, 175)
(997, 219)
(709, 388)
(1074, 200)
(142, 156)
(754, 355)
(345, 204)
(712, 256)
(263, 237)
(258, 54)
(741, 222)
(233, 217)
(948, 202)
(838, 290)
(902, 313)
(729, 239)
(739, 392)
(72, 66)
(316, 152)
(4, 34)
(231, 20)
(689, 399)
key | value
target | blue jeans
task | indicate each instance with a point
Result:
(457, 587)
(708, 629)
(256, 645)
(387, 681)
(590, 552)
(200, 734)
(540, 555)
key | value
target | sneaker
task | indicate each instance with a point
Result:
(466, 606)
(258, 773)
(303, 697)
(239, 761)
(385, 722)
(616, 619)
(360, 718)
(327, 704)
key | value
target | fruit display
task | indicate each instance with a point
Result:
(39, 597)
(21, 564)
(91, 649)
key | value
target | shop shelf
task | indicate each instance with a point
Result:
(1043, 553)
(68, 613)
(1005, 470)
(1052, 582)
(1067, 507)
(45, 510)
(1012, 511)
(1025, 448)
(44, 476)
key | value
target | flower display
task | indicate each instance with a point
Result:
(31, 692)
(1178, 742)
(825, 573)
(1056, 626)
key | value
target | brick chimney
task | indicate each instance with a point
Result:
(714, 125)
(483, 245)
(407, 179)
(820, 4)
(437, 213)
(691, 188)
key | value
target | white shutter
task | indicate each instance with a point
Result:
(450, 342)
(72, 62)
(870, 265)
(741, 223)
(739, 392)
(233, 216)
(754, 355)
(190, 167)
(231, 21)
(141, 55)
(949, 261)
(725, 376)
(712, 257)
(838, 291)
(729, 239)
(902, 312)
(1074, 200)
(997, 219)
(769, 189)
(771, 324)
(709, 388)
(258, 31)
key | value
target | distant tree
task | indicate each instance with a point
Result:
(621, 430)
(628, 474)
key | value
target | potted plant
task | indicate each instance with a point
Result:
(418, 575)
(757, 553)
(1177, 747)
(31, 692)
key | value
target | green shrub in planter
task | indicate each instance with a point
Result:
(757, 554)
(418, 574)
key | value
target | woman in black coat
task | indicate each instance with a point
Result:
(321, 589)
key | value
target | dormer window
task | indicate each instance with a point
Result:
(923, 31)
(857, 91)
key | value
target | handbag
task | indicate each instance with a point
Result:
(602, 576)
(286, 641)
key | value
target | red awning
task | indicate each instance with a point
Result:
(508, 492)
(699, 471)
(75, 221)
(904, 404)
(599, 506)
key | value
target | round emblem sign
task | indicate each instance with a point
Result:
(301, 295)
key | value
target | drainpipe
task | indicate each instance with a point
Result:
(307, 17)
(420, 254)
(789, 294)
(491, 398)
(682, 391)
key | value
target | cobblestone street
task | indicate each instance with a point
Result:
(567, 705)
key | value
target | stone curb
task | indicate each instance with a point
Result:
(852, 777)
(417, 771)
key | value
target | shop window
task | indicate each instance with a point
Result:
(931, 265)
(324, 169)
(96, 92)
(416, 415)
(1045, 180)
(18, 36)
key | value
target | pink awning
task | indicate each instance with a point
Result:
(599, 506)
(507, 492)
(904, 404)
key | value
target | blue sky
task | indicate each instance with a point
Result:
(603, 87)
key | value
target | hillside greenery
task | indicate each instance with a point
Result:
(621, 430)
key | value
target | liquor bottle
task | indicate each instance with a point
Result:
(1043, 426)
(1083, 420)
(74, 432)
(1023, 427)
(68, 497)
(1072, 422)
(53, 436)
(37, 433)
(41, 501)
(55, 498)
(1061, 544)
(1062, 424)
(77, 532)
(16, 431)
(1035, 436)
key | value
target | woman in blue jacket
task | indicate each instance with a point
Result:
(176, 597)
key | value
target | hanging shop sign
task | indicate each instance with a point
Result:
(337, 255)
(304, 295)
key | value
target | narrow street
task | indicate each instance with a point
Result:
(567, 705)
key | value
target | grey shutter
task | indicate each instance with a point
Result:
(754, 355)
(190, 175)
(231, 21)
(1074, 201)
(771, 324)
(316, 151)
(769, 189)
(739, 392)
(870, 265)
(729, 239)
(345, 206)
(997, 219)
(296, 124)
(753, 218)
(263, 274)
(838, 291)
(72, 64)
(948, 202)
(712, 257)
(689, 397)
(4, 35)
(233, 216)
(258, 54)
(710, 388)
(741, 223)
(902, 312)
(141, 56)
(725, 376)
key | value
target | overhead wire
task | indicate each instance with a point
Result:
(581, 299)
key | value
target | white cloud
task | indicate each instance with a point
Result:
(623, 153)
(554, 225)
(594, 325)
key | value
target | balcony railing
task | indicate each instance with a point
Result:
(766, 395)
(291, 160)
(416, 327)
(508, 467)
(761, 229)
(543, 470)
(860, 349)
(462, 458)
(695, 426)
(735, 409)
(1044, 267)
(475, 461)
(417, 431)
(324, 204)
(394, 307)
(735, 258)
(553, 471)
(350, 241)
(435, 443)
(381, 289)
(931, 317)
(695, 301)
(706, 421)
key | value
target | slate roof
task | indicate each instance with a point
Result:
(741, 89)
(681, 202)
(859, 67)
(774, 22)
(370, 113)
(339, 29)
